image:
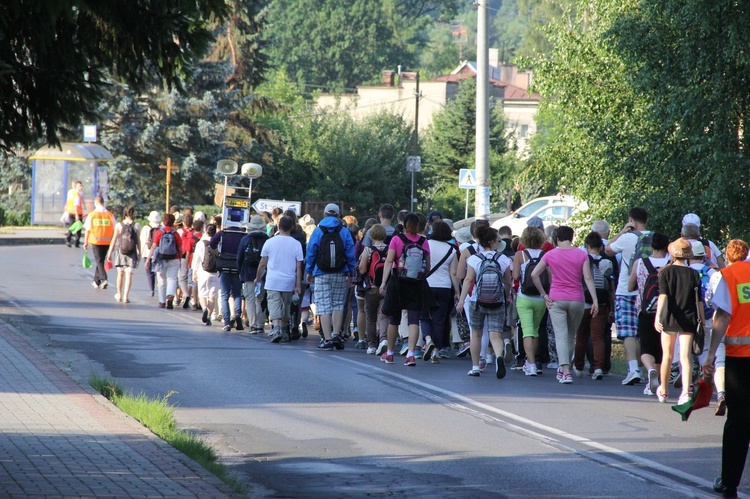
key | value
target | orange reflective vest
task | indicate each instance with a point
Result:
(102, 228)
(737, 340)
(74, 203)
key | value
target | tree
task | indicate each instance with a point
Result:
(15, 196)
(55, 56)
(348, 42)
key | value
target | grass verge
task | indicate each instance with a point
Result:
(157, 414)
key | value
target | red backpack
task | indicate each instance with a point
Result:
(377, 263)
(188, 244)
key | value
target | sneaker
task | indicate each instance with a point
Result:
(360, 345)
(304, 329)
(475, 373)
(410, 361)
(647, 391)
(579, 374)
(294, 333)
(660, 395)
(464, 350)
(598, 375)
(286, 337)
(238, 323)
(94, 285)
(491, 358)
(515, 366)
(653, 380)
(435, 359)
(205, 318)
(382, 347)
(721, 404)
(567, 379)
(388, 359)
(371, 350)
(429, 349)
(499, 368)
(445, 353)
(208, 321)
(227, 327)
(683, 399)
(186, 305)
(482, 364)
(338, 342)
(162, 305)
(529, 369)
(560, 374)
(552, 365)
(326, 345)
(417, 352)
(632, 378)
(104, 285)
(539, 368)
(170, 302)
(722, 489)
(404, 349)
(508, 355)
(276, 336)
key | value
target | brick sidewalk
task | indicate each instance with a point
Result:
(57, 440)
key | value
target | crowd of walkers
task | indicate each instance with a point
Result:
(412, 285)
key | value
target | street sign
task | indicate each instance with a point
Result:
(270, 204)
(467, 178)
(89, 133)
(413, 163)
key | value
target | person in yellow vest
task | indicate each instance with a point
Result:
(99, 227)
(74, 211)
(731, 300)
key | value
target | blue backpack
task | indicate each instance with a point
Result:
(705, 278)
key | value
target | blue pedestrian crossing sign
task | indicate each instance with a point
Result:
(467, 178)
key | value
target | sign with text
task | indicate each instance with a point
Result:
(270, 204)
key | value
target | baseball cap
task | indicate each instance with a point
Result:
(332, 209)
(535, 222)
(154, 219)
(691, 218)
(434, 214)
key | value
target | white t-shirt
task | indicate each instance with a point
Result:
(283, 253)
(441, 278)
(625, 245)
(475, 262)
(720, 298)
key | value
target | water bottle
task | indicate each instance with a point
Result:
(257, 289)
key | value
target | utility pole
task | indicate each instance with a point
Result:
(413, 161)
(169, 167)
(482, 161)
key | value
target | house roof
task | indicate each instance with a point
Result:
(468, 70)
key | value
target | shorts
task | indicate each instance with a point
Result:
(331, 291)
(626, 316)
(493, 317)
(649, 336)
(208, 284)
(279, 304)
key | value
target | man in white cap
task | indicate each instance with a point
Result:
(330, 265)
(691, 230)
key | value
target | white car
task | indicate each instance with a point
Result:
(551, 209)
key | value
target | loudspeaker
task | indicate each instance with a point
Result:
(252, 170)
(226, 167)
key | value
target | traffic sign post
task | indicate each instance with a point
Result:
(467, 179)
(413, 165)
(270, 204)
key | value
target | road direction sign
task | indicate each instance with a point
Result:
(467, 178)
(270, 204)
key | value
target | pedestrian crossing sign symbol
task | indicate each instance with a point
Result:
(467, 178)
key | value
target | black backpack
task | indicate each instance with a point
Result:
(650, 295)
(226, 261)
(527, 285)
(331, 257)
(128, 240)
(253, 249)
(209, 258)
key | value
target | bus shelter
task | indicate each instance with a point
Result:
(53, 171)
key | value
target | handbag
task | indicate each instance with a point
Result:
(699, 337)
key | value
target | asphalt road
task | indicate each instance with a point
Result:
(296, 422)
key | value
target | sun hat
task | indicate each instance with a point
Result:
(699, 251)
(256, 223)
(199, 215)
(535, 222)
(463, 235)
(691, 218)
(154, 219)
(306, 220)
(681, 248)
(332, 209)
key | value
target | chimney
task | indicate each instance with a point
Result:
(388, 78)
(494, 59)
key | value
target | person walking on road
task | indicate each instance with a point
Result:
(100, 228)
(248, 260)
(165, 257)
(207, 281)
(146, 238)
(74, 212)
(732, 322)
(124, 253)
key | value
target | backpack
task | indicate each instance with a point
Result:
(412, 263)
(489, 287)
(167, 245)
(209, 258)
(128, 240)
(377, 264)
(642, 248)
(225, 261)
(252, 251)
(527, 285)
(331, 257)
(707, 257)
(703, 273)
(601, 283)
(188, 246)
(650, 295)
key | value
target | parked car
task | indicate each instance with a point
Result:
(551, 209)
